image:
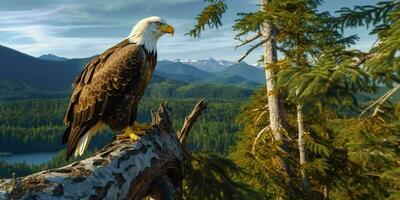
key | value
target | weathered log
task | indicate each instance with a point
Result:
(124, 169)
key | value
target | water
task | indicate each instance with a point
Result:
(30, 158)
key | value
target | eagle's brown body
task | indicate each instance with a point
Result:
(108, 91)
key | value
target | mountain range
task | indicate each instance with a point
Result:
(208, 65)
(51, 72)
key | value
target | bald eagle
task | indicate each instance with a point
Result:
(107, 92)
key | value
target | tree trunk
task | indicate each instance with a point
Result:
(150, 168)
(326, 193)
(302, 152)
(274, 103)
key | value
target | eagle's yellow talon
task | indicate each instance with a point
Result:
(134, 137)
(133, 133)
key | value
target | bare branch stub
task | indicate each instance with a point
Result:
(380, 101)
(190, 120)
(251, 49)
(162, 118)
(249, 40)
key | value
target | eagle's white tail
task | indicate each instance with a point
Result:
(83, 144)
(85, 139)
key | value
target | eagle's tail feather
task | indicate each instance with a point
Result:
(74, 143)
(83, 144)
(84, 141)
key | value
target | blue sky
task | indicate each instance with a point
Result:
(82, 28)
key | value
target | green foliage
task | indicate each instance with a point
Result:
(249, 22)
(349, 157)
(367, 15)
(210, 16)
(331, 80)
(35, 125)
(383, 62)
(208, 176)
(261, 166)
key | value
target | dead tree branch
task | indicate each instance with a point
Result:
(379, 102)
(255, 142)
(390, 93)
(190, 120)
(247, 41)
(252, 49)
(124, 169)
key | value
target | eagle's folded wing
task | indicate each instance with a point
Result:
(99, 87)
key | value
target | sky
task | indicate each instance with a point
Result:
(83, 28)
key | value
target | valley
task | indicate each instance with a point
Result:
(34, 93)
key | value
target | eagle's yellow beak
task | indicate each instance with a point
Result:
(167, 29)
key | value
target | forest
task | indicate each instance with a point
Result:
(326, 125)
(35, 124)
(312, 133)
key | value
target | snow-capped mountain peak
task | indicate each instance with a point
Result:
(208, 65)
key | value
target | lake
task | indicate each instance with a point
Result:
(30, 158)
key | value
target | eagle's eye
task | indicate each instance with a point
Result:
(159, 23)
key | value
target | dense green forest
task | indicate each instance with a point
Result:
(35, 124)
(38, 122)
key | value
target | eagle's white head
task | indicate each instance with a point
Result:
(147, 32)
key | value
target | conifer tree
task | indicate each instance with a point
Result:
(263, 29)
(373, 136)
(340, 150)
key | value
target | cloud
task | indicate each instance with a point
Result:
(64, 27)
(26, 16)
(120, 4)
(81, 28)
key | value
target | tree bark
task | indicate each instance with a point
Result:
(274, 103)
(302, 152)
(149, 168)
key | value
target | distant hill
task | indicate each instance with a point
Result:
(179, 77)
(235, 80)
(213, 91)
(43, 74)
(245, 71)
(181, 69)
(172, 89)
(54, 73)
(52, 57)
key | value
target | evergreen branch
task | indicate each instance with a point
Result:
(252, 49)
(258, 35)
(249, 22)
(366, 15)
(210, 16)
